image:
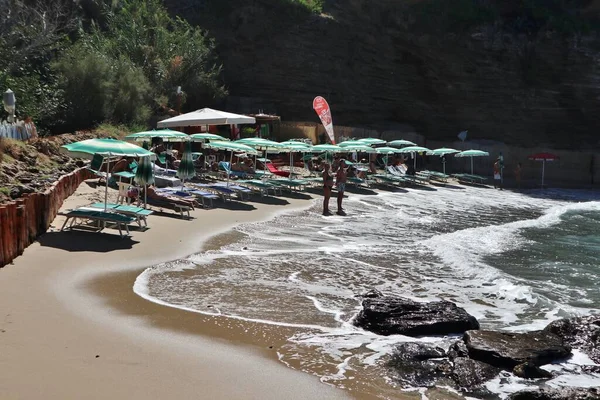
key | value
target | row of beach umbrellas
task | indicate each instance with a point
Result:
(251, 146)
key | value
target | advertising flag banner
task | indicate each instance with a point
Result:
(322, 109)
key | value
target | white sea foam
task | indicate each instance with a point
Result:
(424, 245)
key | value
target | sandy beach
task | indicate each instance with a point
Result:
(71, 326)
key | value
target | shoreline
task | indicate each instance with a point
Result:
(63, 334)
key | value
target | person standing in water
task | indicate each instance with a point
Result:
(497, 176)
(327, 185)
(340, 182)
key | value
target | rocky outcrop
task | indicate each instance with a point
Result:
(391, 315)
(581, 333)
(385, 63)
(557, 394)
(507, 350)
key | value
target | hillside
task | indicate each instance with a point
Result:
(518, 75)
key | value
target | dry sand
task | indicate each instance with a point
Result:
(71, 326)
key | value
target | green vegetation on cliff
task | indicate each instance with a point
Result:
(120, 67)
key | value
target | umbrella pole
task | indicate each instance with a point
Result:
(471, 165)
(106, 183)
(145, 196)
(291, 170)
(543, 169)
(265, 165)
(230, 166)
(444, 165)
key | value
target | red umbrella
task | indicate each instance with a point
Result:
(543, 157)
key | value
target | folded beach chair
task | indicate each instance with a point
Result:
(140, 214)
(92, 217)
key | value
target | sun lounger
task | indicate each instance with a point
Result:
(181, 209)
(85, 217)
(274, 170)
(299, 184)
(469, 178)
(241, 191)
(140, 214)
(201, 195)
(263, 187)
(226, 168)
(436, 176)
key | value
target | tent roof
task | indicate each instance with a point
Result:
(206, 116)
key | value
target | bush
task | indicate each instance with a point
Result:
(98, 88)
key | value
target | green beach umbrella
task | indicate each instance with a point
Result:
(203, 137)
(167, 135)
(386, 150)
(472, 153)
(264, 145)
(442, 151)
(144, 175)
(357, 148)
(400, 143)
(414, 149)
(109, 147)
(186, 168)
(330, 148)
(295, 147)
(352, 143)
(87, 148)
(232, 147)
(372, 141)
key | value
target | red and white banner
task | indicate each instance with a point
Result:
(322, 109)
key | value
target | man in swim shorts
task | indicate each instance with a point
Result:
(340, 182)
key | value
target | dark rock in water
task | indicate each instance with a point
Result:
(371, 294)
(458, 349)
(557, 394)
(507, 350)
(390, 315)
(419, 351)
(419, 364)
(469, 374)
(581, 333)
(530, 371)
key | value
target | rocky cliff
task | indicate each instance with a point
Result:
(430, 64)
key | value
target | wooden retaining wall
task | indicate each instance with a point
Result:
(22, 221)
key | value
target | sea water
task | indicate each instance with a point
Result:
(514, 260)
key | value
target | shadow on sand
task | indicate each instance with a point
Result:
(81, 240)
(360, 190)
(234, 205)
(272, 200)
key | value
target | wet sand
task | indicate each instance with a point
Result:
(71, 326)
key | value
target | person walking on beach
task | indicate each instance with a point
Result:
(340, 182)
(327, 185)
(497, 175)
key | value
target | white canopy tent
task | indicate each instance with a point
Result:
(206, 116)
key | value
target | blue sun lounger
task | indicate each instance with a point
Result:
(201, 195)
(88, 217)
